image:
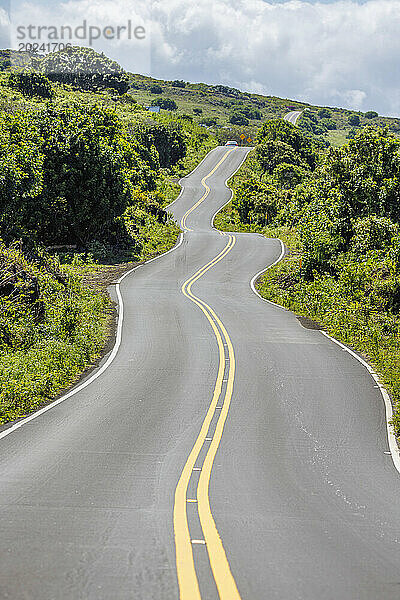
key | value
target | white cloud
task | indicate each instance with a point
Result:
(338, 53)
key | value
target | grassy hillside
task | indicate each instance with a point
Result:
(219, 103)
(215, 105)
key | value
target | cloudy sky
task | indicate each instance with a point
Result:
(337, 53)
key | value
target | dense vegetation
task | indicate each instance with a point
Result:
(338, 211)
(228, 112)
(85, 176)
(82, 68)
(51, 327)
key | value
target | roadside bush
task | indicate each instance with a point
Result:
(321, 242)
(51, 326)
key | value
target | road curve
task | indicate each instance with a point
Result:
(223, 428)
(293, 116)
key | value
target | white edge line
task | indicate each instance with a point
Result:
(191, 173)
(231, 191)
(118, 338)
(289, 114)
(109, 360)
(257, 275)
(394, 448)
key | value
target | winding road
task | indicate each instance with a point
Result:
(223, 451)
(293, 116)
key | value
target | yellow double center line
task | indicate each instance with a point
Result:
(187, 578)
(207, 191)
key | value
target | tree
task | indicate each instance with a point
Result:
(31, 84)
(156, 89)
(67, 174)
(287, 176)
(283, 131)
(238, 118)
(21, 177)
(371, 114)
(165, 103)
(179, 83)
(373, 233)
(354, 120)
(359, 180)
(89, 170)
(83, 68)
(250, 112)
(167, 138)
(329, 124)
(256, 201)
(198, 111)
(324, 113)
(272, 153)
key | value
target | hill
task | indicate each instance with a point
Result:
(229, 112)
(217, 105)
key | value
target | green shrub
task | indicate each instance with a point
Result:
(83, 68)
(167, 137)
(208, 121)
(354, 120)
(272, 153)
(51, 327)
(165, 103)
(237, 118)
(31, 84)
(373, 233)
(324, 113)
(179, 83)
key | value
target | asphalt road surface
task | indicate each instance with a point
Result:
(293, 116)
(227, 452)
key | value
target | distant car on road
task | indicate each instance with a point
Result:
(231, 143)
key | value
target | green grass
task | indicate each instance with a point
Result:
(337, 137)
(46, 343)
